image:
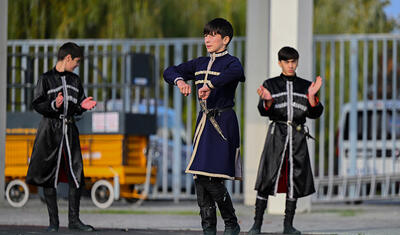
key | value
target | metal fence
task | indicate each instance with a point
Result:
(106, 73)
(358, 148)
(357, 153)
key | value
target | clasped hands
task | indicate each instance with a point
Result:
(185, 89)
(87, 103)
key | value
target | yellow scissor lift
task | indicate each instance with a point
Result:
(115, 161)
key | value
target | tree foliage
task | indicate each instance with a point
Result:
(352, 16)
(119, 18)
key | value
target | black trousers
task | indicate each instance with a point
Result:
(211, 190)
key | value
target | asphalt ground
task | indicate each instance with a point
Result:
(167, 217)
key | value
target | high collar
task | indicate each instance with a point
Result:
(219, 54)
(288, 78)
(56, 72)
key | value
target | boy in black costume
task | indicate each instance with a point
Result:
(56, 155)
(285, 165)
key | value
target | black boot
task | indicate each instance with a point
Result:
(261, 205)
(289, 215)
(228, 215)
(50, 196)
(208, 220)
(74, 222)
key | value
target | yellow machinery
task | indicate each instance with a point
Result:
(116, 163)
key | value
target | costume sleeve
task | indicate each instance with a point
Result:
(81, 96)
(314, 112)
(184, 71)
(233, 72)
(41, 101)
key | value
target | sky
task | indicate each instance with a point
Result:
(393, 10)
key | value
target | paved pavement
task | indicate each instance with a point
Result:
(167, 217)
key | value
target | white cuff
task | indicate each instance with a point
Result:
(53, 105)
(177, 79)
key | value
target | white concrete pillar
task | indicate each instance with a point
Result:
(256, 72)
(288, 23)
(3, 91)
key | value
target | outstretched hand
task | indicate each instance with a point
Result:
(88, 103)
(59, 100)
(204, 92)
(264, 93)
(315, 86)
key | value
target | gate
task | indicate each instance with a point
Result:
(108, 74)
(358, 147)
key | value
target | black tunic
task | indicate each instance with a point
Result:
(53, 145)
(285, 148)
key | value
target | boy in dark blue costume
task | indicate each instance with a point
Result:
(216, 142)
(285, 165)
(56, 155)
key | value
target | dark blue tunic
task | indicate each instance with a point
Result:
(212, 155)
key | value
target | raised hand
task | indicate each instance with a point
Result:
(315, 86)
(184, 88)
(88, 103)
(204, 92)
(59, 99)
(264, 93)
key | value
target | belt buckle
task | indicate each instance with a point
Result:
(62, 116)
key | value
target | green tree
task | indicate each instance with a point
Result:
(119, 18)
(352, 16)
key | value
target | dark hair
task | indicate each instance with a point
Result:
(69, 48)
(219, 26)
(288, 53)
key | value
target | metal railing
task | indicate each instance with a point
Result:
(357, 154)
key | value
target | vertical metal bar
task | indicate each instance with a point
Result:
(157, 75)
(177, 151)
(199, 53)
(189, 114)
(36, 67)
(104, 77)
(341, 101)
(126, 69)
(45, 57)
(395, 109)
(384, 116)
(13, 78)
(165, 127)
(86, 69)
(374, 114)
(353, 102)
(311, 145)
(353, 113)
(114, 74)
(321, 155)
(364, 113)
(54, 55)
(95, 71)
(24, 68)
(331, 115)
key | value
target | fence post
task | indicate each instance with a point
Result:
(177, 152)
(353, 111)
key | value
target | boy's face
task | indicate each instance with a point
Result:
(288, 66)
(71, 64)
(215, 42)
